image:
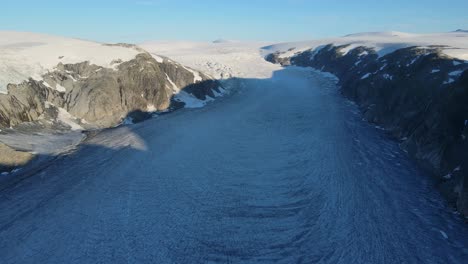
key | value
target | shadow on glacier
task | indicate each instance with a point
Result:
(12, 175)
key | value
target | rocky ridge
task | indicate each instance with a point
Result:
(96, 97)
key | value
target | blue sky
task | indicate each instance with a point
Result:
(273, 20)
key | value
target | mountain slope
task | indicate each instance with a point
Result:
(88, 84)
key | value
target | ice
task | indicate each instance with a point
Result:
(443, 234)
(365, 76)
(274, 164)
(449, 81)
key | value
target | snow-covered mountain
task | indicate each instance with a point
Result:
(88, 83)
(453, 44)
(52, 88)
(25, 55)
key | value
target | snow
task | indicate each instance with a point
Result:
(364, 53)
(435, 71)
(348, 48)
(158, 58)
(452, 76)
(388, 76)
(46, 84)
(456, 73)
(316, 51)
(365, 76)
(187, 98)
(68, 119)
(384, 43)
(443, 234)
(220, 60)
(450, 80)
(151, 108)
(60, 88)
(190, 100)
(24, 55)
(413, 61)
(175, 89)
(72, 78)
(196, 75)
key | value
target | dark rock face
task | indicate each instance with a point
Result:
(419, 95)
(101, 97)
(275, 58)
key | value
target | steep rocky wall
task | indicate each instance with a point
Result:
(101, 97)
(419, 95)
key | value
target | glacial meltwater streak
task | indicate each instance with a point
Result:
(282, 171)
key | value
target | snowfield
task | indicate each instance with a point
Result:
(220, 59)
(453, 44)
(24, 55)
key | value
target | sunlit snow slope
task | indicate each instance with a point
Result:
(24, 55)
(454, 44)
(220, 59)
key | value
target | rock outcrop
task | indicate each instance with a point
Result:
(419, 95)
(11, 158)
(96, 97)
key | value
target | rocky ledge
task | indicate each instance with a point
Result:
(419, 95)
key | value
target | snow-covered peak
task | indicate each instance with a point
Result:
(454, 44)
(24, 55)
(383, 34)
